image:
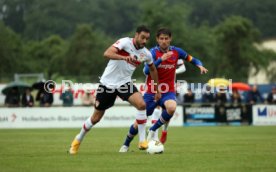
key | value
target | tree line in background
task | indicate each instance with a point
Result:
(66, 39)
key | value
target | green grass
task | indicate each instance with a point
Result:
(187, 149)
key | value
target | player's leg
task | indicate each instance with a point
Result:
(140, 122)
(150, 106)
(155, 116)
(90, 122)
(130, 136)
(165, 127)
(164, 133)
(141, 118)
(105, 98)
(168, 101)
(130, 93)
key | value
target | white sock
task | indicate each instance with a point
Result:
(87, 125)
(155, 134)
(155, 116)
(141, 119)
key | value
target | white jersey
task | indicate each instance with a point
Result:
(119, 72)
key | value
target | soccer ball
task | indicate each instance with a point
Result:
(155, 147)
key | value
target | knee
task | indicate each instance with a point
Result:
(171, 109)
(141, 105)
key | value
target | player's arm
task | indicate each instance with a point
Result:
(187, 57)
(146, 69)
(112, 53)
(154, 76)
(197, 63)
(157, 62)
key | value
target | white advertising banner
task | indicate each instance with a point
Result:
(264, 115)
(78, 93)
(72, 117)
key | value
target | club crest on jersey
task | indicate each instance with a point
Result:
(172, 59)
(142, 57)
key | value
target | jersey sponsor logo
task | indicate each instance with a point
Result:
(167, 66)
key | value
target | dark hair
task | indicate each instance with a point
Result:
(164, 31)
(142, 28)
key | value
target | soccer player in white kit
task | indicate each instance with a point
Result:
(124, 56)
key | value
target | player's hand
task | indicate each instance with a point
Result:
(129, 58)
(157, 96)
(167, 55)
(203, 70)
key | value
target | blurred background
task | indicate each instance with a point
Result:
(59, 40)
(65, 39)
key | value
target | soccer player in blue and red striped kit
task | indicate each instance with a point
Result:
(165, 59)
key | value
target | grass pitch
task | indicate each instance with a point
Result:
(187, 149)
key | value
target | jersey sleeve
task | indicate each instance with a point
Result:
(156, 62)
(187, 57)
(182, 54)
(149, 58)
(121, 43)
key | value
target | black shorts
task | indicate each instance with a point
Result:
(106, 97)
